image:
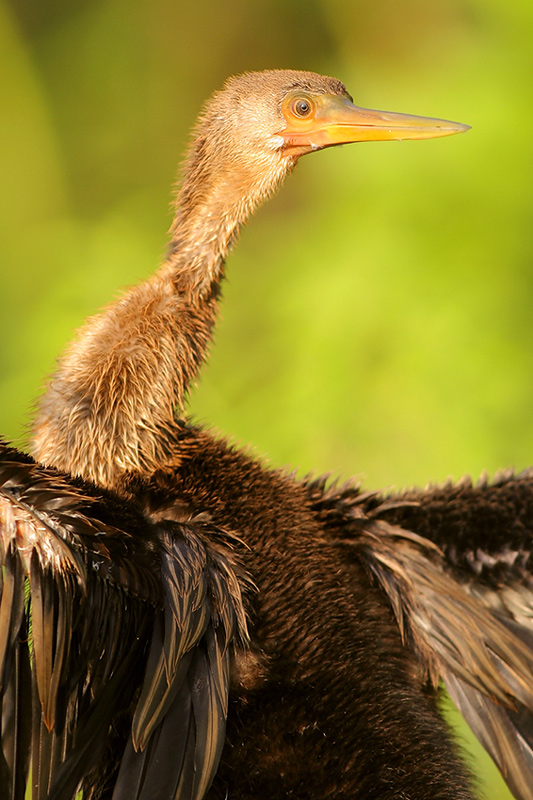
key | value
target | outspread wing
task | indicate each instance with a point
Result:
(115, 636)
(467, 610)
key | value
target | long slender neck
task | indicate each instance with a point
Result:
(111, 405)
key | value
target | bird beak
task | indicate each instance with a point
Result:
(335, 120)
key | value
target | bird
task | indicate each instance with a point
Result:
(179, 620)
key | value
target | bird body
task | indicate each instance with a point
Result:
(259, 635)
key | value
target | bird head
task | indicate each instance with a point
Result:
(293, 112)
(252, 132)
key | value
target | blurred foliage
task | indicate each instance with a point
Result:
(377, 317)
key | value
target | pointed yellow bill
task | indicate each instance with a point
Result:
(317, 121)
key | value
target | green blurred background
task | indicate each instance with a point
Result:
(377, 317)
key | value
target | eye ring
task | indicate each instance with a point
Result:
(302, 107)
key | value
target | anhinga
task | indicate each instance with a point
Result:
(177, 620)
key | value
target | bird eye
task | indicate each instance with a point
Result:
(302, 107)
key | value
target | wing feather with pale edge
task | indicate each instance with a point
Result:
(105, 615)
(484, 657)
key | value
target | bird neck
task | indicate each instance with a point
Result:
(201, 235)
(112, 404)
(211, 206)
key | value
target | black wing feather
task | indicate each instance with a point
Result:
(456, 563)
(54, 613)
(128, 639)
(486, 667)
(180, 719)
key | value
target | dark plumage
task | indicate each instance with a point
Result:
(168, 571)
(118, 604)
